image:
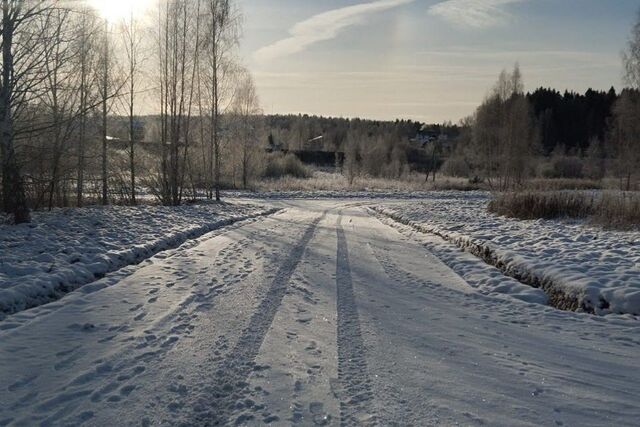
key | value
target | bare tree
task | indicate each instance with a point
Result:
(503, 133)
(63, 94)
(133, 46)
(625, 136)
(87, 30)
(352, 158)
(178, 58)
(626, 129)
(105, 112)
(631, 57)
(246, 109)
(223, 21)
(22, 72)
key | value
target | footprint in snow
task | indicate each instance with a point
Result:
(87, 327)
(126, 390)
(21, 383)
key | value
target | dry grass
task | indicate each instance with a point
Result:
(558, 184)
(326, 181)
(618, 210)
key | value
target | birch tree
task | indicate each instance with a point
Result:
(222, 29)
(503, 133)
(21, 76)
(626, 130)
(178, 49)
(246, 109)
(87, 30)
(625, 137)
(61, 90)
(132, 36)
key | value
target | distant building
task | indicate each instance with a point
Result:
(313, 152)
(426, 136)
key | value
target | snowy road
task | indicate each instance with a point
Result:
(319, 314)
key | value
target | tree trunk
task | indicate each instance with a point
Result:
(81, 138)
(14, 197)
(132, 164)
(105, 84)
(216, 103)
(83, 115)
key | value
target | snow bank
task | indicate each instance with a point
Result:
(65, 249)
(579, 267)
(487, 279)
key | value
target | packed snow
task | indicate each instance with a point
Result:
(599, 268)
(317, 315)
(65, 249)
(487, 279)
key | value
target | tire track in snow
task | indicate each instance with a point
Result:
(232, 373)
(356, 398)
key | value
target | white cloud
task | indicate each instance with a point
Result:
(478, 14)
(324, 26)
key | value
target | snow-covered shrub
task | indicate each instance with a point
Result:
(278, 166)
(456, 166)
(564, 167)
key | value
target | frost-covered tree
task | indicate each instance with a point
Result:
(625, 136)
(247, 115)
(631, 57)
(503, 133)
(24, 69)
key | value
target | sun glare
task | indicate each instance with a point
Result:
(117, 10)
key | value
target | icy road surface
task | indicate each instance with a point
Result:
(319, 314)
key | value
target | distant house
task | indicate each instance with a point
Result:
(426, 136)
(273, 146)
(316, 139)
(312, 153)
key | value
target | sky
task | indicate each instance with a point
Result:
(426, 60)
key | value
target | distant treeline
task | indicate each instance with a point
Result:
(567, 122)
(571, 121)
(297, 132)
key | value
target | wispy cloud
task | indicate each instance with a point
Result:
(476, 14)
(324, 26)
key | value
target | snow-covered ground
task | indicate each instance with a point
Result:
(67, 248)
(319, 314)
(599, 268)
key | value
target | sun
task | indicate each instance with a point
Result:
(118, 10)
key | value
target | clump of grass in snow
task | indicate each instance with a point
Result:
(558, 184)
(545, 205)
(333, 181)
(618, 210)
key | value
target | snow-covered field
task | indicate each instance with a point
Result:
(62, 250)
(598, 268)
